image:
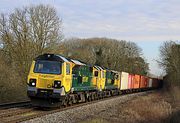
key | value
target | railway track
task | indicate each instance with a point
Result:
(10, 109)
(23, 114)
(20, 114)
(14, 104)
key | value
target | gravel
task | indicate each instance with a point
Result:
(85, 112)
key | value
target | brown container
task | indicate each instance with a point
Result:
(155, 83)
(136, 81)
(143, 82)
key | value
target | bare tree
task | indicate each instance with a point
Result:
(28, 32)
(170, 61)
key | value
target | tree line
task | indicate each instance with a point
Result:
(114, 54)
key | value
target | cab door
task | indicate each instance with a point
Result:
(119, 80)
(67, 76)
(103, 79)
(97, 79)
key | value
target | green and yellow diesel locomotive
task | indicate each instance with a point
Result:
(54, 78)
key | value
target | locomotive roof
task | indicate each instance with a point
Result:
(77, 62)
(98, 67)
(114, 71)
(63, 58)
(52, 57)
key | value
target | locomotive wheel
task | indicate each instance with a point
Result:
(70, 100)
(90, 98)
(65, 101)
(96, 95)
(74, 99)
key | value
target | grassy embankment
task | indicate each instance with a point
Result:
(158, 107)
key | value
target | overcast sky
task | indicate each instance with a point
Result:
(147, 22)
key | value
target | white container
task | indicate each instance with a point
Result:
(124, 81)
(150, 83)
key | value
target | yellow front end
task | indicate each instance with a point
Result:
(45, 85)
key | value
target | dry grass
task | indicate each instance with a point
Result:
(13, 94)
(154, 108)
(175, 95)
(146, 109)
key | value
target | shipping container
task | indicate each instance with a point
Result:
(124, 81)
(137, 81)
(143, 82)
(147, 82)
(154, 83)
(131, 81)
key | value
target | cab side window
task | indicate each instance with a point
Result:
(67, 69)
(96, 73)
(116, 77)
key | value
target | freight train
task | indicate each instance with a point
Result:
(54, 81)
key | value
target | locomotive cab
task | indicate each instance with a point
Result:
(100, 77)
(50, 76)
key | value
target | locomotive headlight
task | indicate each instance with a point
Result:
(32, 82)
(57, 84)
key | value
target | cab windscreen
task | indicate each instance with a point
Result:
(48, 67)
